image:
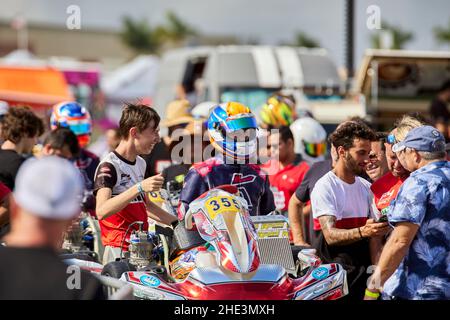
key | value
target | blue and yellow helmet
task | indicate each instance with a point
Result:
(232, 129)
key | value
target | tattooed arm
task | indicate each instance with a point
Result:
(340, 237)
(335, 236)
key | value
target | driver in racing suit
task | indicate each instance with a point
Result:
(232, 131)
(72, 115)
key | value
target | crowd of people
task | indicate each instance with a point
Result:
(376, 202)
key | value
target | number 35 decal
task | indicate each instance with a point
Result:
(217, 205)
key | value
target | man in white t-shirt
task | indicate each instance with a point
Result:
(342, 202)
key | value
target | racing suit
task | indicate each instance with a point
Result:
(87, 163)
(251, 181)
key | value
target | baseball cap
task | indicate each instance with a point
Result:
(49, 187)
(424, 138)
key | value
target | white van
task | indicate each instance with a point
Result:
(250, 74)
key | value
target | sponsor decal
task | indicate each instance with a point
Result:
(105, 169)
(322, 287)
(239, 179)
(273, 234)
(320, 273)
(150, 281)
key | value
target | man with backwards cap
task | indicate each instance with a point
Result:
(47, 197)
(415, 259)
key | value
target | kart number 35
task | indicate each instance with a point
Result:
(217, 205)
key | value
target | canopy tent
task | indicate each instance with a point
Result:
(135, 80)
(39, 87)
(21, 57)
(131, 82)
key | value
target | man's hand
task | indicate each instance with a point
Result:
(374, 229)
(153, 183)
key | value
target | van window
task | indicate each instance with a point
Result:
(254, 98)
(194, 71)
(237, 69)
(319, 75)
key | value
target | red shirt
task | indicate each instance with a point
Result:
(385, 190)
(119, 175)
(114, 228)
(4, 191)
(284, 182)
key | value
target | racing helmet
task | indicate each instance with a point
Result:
(278, 111)
(309, 139)
(228, 126)
(72, 115)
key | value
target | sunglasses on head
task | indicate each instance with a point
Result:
(391, 139)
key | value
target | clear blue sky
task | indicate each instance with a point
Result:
(269, 21)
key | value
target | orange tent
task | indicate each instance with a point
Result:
(39, 87)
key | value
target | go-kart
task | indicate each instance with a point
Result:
(82, 239)
(219, 252)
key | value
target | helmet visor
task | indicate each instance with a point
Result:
(315, 149)
(240, 123)
(80, 128)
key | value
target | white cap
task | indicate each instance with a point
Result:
(4, 106)
(50, 187)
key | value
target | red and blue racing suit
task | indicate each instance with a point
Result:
(251, 181)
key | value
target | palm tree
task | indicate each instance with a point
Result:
(176, 29)
(399, 37)
(441, 34)
(139, 36)
(303, 40)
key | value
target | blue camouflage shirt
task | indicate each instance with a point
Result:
(424, 199)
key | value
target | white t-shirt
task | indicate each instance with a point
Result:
(349, 203)
(118, 174)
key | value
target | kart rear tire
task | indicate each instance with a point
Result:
(115, 269)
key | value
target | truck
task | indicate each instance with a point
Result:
(396, 82)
